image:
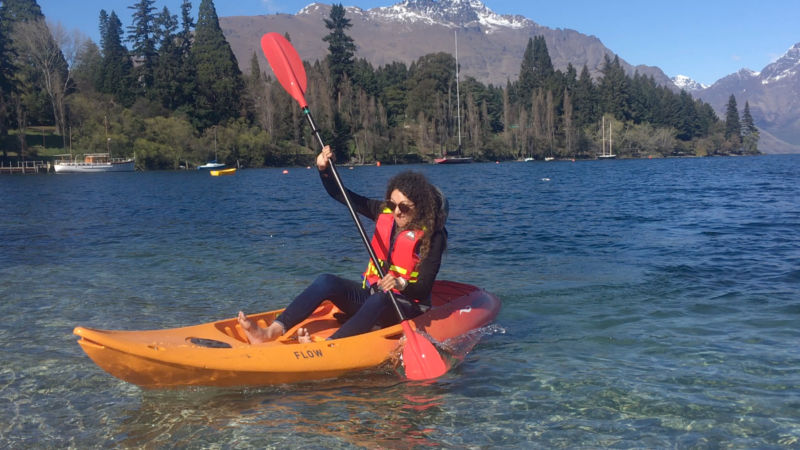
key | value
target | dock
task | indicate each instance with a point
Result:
(25, 167)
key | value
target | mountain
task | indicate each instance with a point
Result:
(774, 97)
(490, 49)
(687, 84)
(490, 45)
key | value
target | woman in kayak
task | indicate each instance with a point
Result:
(409, 234)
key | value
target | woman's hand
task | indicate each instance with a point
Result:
(389, 282)
(324, 157)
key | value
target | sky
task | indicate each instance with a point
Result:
(703, 39)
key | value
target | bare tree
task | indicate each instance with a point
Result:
(42, 50)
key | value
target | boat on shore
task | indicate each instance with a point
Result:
(218, 353)
(93, 163)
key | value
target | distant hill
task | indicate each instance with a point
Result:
(490, 46)
(774, 97)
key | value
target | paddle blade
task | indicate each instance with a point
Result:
(421, 359)
(286, 64)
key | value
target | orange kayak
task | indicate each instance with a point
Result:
(218, 354)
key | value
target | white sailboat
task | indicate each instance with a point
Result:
(458, 158)
(213, 165)
(603, 154)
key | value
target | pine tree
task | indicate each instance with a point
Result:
(142, 34)
(166, 84)
(341, 48)
(7, 70)
(115, 76)
(750, 133)
(614, 89)
(187, 72)
(536, 70)
(543, 73)
(733, 128)
(527, 74)
(219, 80)
(21, 11)
(584, 101)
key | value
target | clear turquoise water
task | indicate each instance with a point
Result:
(646, 303)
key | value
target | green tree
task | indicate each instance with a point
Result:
(341, 64)
(187, 72)
(87, 67)
(585, 100)
(341, 48)
(219, 80)
(536, 70)
(15, 11)
(167, 79)
(750, 133)
(614, 90)
(733, 127)
(7, 70)
(115, 75)
(142, 34)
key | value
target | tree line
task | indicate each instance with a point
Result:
(170, 89)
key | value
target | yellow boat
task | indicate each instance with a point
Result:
(219, 173)
(218, 354)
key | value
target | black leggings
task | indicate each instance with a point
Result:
(363, 308)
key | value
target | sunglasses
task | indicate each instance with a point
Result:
(404, 207)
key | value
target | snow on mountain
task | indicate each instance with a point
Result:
(774, 98)
(786, 66)
(687, 84)
(452, 13)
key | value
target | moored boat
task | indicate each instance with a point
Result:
(219, 173)
(453, 160)
(211, 165)
(456, 158)
(218, 354)
(93, 163)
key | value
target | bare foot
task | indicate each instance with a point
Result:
(303, 337)
(256, 334)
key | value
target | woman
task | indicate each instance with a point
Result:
(409, 240)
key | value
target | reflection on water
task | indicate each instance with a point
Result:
(370, 411)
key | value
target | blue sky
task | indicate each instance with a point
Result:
(703, 39)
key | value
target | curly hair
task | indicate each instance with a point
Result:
(429, 205)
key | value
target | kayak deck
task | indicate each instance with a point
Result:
(218, 353)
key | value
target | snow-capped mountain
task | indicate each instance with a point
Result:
(687, 84)
(774, 97)
(787, 66)
(491, 45)
(455, 13)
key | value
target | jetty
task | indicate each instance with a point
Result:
(25, 167)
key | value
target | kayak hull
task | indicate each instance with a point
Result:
(218, 354)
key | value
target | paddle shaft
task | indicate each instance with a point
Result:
(353, 215)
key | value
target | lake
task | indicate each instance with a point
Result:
(646, 303)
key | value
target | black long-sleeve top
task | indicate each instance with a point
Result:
(427, 268)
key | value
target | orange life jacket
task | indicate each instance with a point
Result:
(404, 257)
